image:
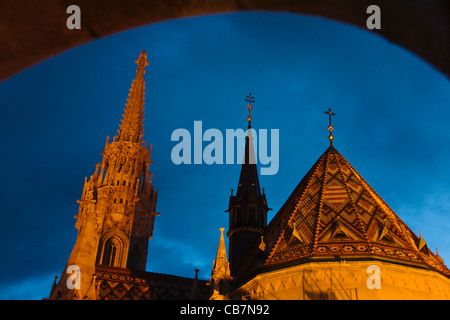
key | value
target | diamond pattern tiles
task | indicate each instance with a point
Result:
(124, 284)
(333, 211)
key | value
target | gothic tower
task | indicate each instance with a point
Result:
(117, 205)
(248, 208)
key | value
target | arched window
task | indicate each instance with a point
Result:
(110, 253)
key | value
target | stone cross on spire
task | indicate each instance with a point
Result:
(330, 127)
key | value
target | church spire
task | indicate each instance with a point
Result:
(221, 262)
(248, 181)
(220, 275)
(117, 208)
(248, 209)
(131, 127)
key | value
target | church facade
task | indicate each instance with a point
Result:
(334, 238)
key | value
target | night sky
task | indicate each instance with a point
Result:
(392, 124)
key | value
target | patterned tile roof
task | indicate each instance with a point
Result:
(124, 284)
(333, 212)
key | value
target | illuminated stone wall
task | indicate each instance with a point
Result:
(346, 281)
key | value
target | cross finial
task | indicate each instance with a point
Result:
(330, 127)
(250, 101)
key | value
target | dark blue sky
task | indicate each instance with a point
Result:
(391, 123)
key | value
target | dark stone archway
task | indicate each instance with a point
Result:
(34, 30)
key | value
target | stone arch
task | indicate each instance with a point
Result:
(35, 31)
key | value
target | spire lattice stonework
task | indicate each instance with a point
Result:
(131, 127)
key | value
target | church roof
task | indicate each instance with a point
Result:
(114, 283)
(334, 213)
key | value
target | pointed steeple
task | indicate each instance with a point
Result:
(131, 127)
(248, 181)
(221, 267)
(220, 274)
(248, 209)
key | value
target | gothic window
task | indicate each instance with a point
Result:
(121, 200)
(110, 253)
